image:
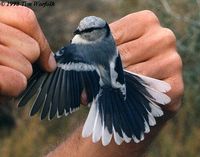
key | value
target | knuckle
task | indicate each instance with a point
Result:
(8, 87)
(150, 17)
(28, 70)
(116, 32)
(169, 36)
(179, 94)
(28, 16)
(124, 53)
(175, 107)
(116, 36)
(34, 55)
(177, 61)
(44, 44)
(22, 83)
(180, 90)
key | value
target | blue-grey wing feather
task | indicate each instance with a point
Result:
(60, 92)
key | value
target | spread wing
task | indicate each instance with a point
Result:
(60, 92)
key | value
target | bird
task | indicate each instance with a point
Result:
(123, 105)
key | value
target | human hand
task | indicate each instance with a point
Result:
(21, 44)
(149, 49)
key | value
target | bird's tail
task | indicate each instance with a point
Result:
(129, 118)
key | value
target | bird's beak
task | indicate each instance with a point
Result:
(77, 31)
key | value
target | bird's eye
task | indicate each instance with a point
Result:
(77, 31)
(60, 53)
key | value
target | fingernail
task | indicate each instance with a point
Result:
(52, 62)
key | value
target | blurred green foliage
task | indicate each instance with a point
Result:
(180, 137)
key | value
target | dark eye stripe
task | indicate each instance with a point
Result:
(91, 29)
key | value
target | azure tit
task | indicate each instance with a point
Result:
(123, 105)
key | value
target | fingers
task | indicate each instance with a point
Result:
(24, 19)
(21, 42)
(161, 67)
(175, 93)
(132, 27)
(12, 82)
(174, 79)
(151, 44)
(167, 67)
(15, 60)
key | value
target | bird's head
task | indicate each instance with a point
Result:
(90, 29)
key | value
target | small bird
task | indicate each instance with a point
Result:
(123, 104)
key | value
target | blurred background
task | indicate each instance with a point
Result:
(29, 137)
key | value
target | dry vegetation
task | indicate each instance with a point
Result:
(181, 136)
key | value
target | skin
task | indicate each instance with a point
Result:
(22, 42)
(145, 48)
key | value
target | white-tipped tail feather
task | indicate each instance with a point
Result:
(96, 136)
(126, 138)
(129, 120)
(89, 123)
(158, 85)
(117, 138)
(106, 136)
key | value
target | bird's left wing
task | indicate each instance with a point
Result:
(60, 92)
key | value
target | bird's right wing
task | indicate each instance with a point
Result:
(60, 92)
